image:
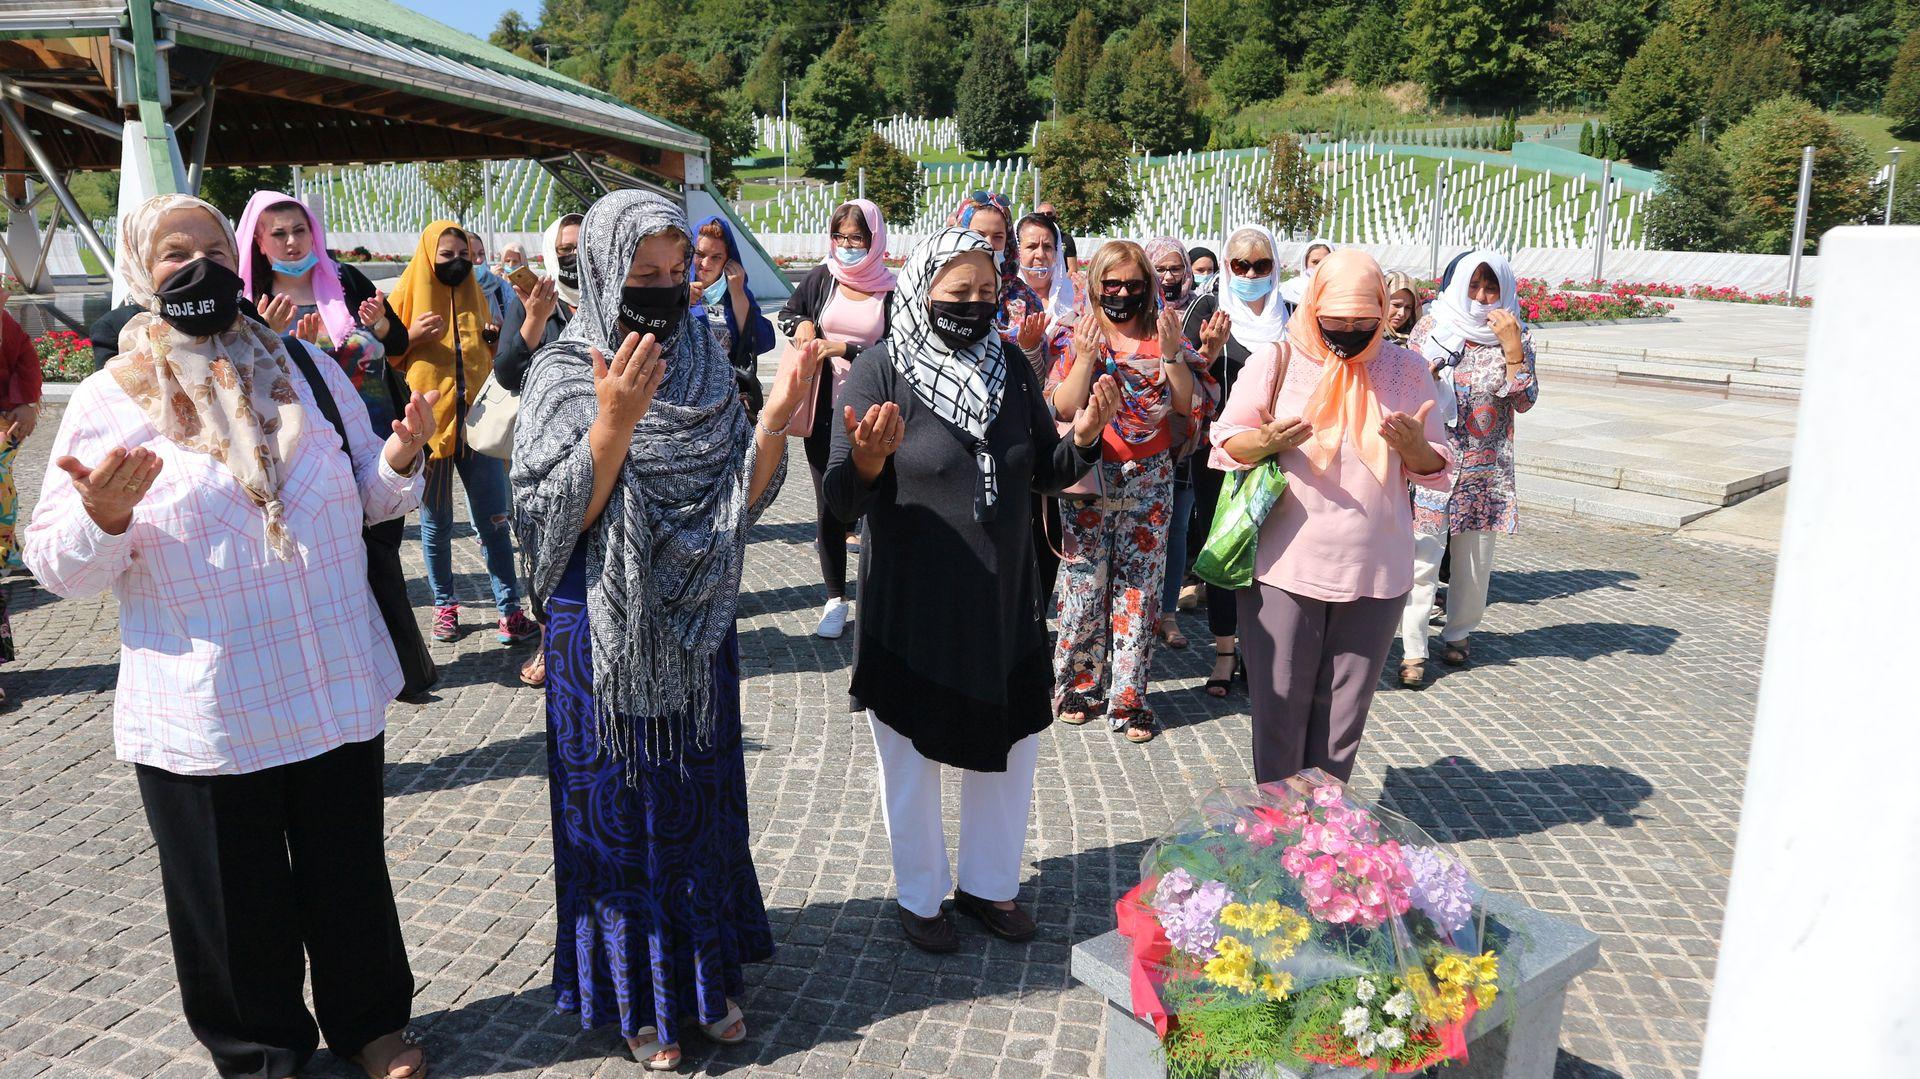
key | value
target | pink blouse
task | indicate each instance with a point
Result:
(858, 321)
(231, 660)
(1342, 535)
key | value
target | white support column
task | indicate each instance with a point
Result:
(1817, 954)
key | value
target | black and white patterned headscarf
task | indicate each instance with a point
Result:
(664, 557)
(965, 387)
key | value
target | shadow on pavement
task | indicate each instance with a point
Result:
(1456, 799)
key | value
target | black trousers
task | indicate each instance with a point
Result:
(258, 868)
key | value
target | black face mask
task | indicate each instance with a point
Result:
(452, 271)
(201, 299)
(1123, 308)
(961, 323)
(567, 269)
(652, 309)
(1347, 344)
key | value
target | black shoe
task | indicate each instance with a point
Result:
(936, 934)
(1015, 925)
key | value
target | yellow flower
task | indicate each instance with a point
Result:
(1484, 993)
(1238, 916)
(1276, 986)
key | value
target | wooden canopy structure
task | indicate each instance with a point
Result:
(162, 89)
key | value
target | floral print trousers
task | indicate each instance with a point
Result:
(1108, 598)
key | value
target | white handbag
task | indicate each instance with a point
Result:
(490, 419)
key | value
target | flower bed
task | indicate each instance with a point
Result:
(65, 356)
(1717, 293)
(1289, 925)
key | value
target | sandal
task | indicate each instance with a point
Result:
(385, 1049)
(1413, 674)
(1170, 632)
(1220, 687)
(716, 1030)
(646, 1052)
(1455, 653)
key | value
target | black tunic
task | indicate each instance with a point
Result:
(952, 649)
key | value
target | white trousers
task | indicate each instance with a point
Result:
(993, 822)
(1466, 589)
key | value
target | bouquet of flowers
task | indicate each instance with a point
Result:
(1289, 924)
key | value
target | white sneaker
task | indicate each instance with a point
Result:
(833, 619)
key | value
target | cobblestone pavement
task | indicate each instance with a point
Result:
(1590, 760)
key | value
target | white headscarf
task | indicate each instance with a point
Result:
(963, 387)
(1060, 297)
(1457, 319)
(1253, 329)
(1294, 289)
(571, 295)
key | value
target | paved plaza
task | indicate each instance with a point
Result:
(1590, 761)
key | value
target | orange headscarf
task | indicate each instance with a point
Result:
(1347, 284)
(429, 365)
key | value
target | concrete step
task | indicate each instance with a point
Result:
(1608, 504)
(1692, 481)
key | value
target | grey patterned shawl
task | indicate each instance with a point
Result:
(664, 557)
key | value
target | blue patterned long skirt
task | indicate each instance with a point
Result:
(659, 906)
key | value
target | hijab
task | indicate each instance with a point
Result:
(870, 274)
(1459, 320)
(663, 559)
(1059, 295)
(1167, 245)
(699, 310)
(323, 277)
(1294, 288)
(228, 396)
(431, 364)
(1253, 329)
(1342, 406)
(552, 241)
(1400, 282)
(963, 387)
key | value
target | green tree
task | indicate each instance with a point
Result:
(913, 52)
(1688, 211)
(1079, 55)
(1466, 48)
(1252, 72)
(1902, 101)
(1154, 109)
(230, 188)
(1287, 194)
(894, 182)
(1083, 165)
(1762, 154)
(674, 90)
(992, 110)
(1374, 48)
(1658, 99)
(458, 183)
(838, 101)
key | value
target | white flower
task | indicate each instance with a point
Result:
(1364, 1045)
(1399, 1005)
(1390, 1039)
(1354, 1022)
(1364, 991)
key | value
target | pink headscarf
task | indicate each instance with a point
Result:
(324, 277)
(870, 274)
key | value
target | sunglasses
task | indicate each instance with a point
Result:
(1256, 268)
(1112, 287)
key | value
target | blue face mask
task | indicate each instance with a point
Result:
(849, 256)
(1202, 280)
(295, 269)
(1250, 288)
(715, 292)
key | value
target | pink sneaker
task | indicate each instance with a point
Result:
(446, 622)
(517, 627)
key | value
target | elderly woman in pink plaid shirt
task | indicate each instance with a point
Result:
(197, 476)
